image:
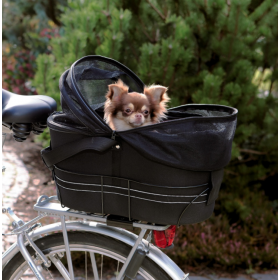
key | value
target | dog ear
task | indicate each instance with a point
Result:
(157, 93)
(116, 90)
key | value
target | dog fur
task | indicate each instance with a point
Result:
(126, 110)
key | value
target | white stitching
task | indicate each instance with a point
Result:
(132, 196)
(98, 185)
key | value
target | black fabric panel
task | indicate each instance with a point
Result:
(121, 182)
(143, 206)
(52, 156)
(89, 162)
(153, 203)
(83, 201)
(136, 166)
(93, 73)
(60, 137)
(186, 195)
(198, 145)
(169, 213)
(216, 180)
(129, 164)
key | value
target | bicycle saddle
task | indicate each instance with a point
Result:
(26, 109)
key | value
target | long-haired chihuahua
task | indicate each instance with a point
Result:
(126, 110)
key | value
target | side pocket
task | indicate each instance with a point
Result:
(216, 180)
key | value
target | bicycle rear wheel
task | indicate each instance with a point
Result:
(103, 258)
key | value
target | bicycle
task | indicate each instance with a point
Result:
(186, 153)
(38, 246)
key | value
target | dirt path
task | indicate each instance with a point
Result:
(25, 179)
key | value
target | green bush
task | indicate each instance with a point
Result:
(27, 29)
(219, 52)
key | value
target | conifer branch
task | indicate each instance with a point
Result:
(61, 48)
(44, 77)
(172, 79)
(98, 40)
(229, 6)
(113, 47)
(235, 32)
(144, 30)
(251, 100)
(107, 14)
(272, 173)
(231, 172)
(261, 17)
(77, 49)
(270, 88)
(261, 78)
(248, 151)
(251, 158)
(272, 115)
(167, 62)
(159, 13)
(134, 52)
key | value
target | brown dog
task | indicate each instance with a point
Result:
(126, 110)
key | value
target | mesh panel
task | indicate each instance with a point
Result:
(93, 77)
(192, 143)
(85, 85)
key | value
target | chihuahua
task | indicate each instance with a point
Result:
(126, 110)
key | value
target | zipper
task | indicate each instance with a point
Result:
(113, 137)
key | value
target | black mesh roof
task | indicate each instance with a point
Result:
(85, 85)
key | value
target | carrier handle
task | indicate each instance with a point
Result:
(52, 156)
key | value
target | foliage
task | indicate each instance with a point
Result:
(27, 29)
(18, 70)
(219, 52)
(23, 21)
(247, 240)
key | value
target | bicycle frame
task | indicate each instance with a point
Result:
(89, 223)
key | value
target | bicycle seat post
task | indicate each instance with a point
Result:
(5, 130)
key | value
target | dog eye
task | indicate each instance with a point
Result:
(146, 112)
(127, 110)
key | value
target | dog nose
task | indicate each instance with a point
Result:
(138, 116)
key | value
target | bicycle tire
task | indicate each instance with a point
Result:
(47, 243)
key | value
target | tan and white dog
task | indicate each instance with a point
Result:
(126, 110)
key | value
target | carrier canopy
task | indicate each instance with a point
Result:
(84, 86)
(195, 137)
(199, 139)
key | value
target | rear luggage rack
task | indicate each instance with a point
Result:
(50, 206)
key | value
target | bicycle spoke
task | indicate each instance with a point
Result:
(86, 264)
(94, 266)
(101, 267)
(118, 267)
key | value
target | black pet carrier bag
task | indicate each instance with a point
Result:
(166, 173)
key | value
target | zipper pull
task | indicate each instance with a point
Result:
(114, 135)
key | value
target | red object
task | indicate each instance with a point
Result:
(164, 238)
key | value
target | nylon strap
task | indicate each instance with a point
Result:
(52, 156)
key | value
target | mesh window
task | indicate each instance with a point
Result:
(93, 76)
(85, 85)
